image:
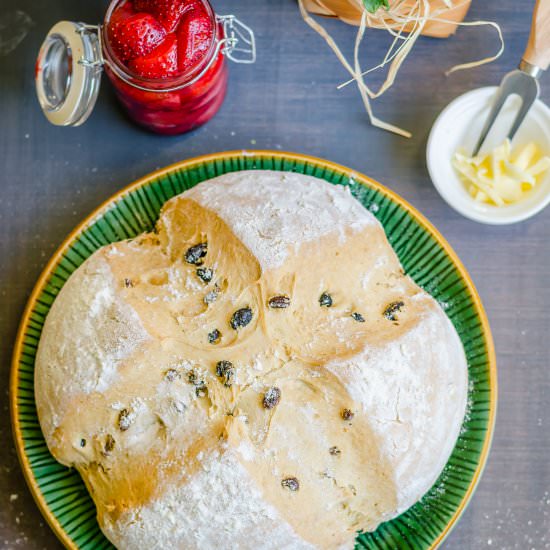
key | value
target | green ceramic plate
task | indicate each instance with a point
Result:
(427, 258)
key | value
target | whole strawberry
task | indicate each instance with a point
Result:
(136, 35)
(195, 35)
(162, 62)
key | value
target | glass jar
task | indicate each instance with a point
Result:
(71, 59)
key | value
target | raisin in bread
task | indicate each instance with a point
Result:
(256, 373)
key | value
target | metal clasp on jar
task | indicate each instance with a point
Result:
(83, 29)
(238, 44)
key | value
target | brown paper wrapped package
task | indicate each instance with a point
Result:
(350, 12)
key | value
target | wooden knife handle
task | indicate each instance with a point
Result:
(538, 48)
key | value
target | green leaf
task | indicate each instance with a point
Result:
(373, 5)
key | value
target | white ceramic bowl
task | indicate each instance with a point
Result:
(459, 126)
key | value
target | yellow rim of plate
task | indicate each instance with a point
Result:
(190, 163)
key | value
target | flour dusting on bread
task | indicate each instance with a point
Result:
(274, 212)
(258, 372)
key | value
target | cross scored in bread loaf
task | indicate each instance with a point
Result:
(258, 372)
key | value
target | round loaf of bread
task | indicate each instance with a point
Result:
(258, 372)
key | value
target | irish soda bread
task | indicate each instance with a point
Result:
(256, 373)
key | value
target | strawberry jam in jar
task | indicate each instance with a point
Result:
(164, 62)
(164, 58)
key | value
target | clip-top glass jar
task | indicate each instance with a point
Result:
(73, 56)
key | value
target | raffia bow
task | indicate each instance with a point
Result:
(405, 20)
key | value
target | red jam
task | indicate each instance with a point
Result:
(163, 60)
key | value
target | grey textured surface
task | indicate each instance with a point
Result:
(50, 178)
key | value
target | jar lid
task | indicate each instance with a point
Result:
(68, 73)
